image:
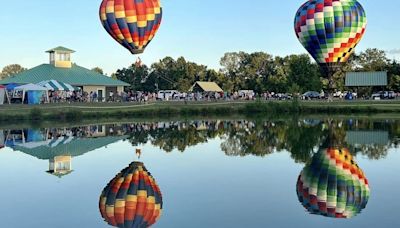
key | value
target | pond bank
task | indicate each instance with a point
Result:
(85, 111)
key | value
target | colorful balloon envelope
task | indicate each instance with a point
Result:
(330, 29)
(132, 23)
(333, 185)
(132, 199)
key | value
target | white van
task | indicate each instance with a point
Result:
(166, 95)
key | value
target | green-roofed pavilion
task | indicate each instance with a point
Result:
(60, 49)
(62, 69)
(76, 76)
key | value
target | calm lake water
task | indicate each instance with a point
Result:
(211, 173)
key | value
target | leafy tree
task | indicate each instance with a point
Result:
(98, 70)
(304, 73)
(231, 66)
(372, 60)
(134, 75)
(394, 76)
(395, 83)
(11, 70)
(278, 82)
(258, 71)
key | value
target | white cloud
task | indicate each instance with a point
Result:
(394, 51)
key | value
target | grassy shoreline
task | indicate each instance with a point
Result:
(70, 112)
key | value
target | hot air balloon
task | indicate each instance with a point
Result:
(132, 199)
(333, 185)
(132, 23)
(330, 30)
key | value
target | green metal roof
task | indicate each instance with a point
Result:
(60, 49)
(354, 79)
(76, 75)
(75, 148)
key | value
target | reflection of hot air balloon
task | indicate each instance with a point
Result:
(333, 185)
(132, 199)
(133, 23)
(330, 30)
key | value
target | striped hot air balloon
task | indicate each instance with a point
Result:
(132, 23)
(333, 185)
(330, 30)
(132, 199)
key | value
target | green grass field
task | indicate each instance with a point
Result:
(160, 109)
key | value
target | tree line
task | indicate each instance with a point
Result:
(261, 138)
(258, 71)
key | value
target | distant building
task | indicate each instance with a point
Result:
(366, 79)
(358, 138)
(61, 68)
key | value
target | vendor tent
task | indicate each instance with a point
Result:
(31, 87)
(34, 92)
(12, 86)
(206, 87)
(3, 94)
(54, 85)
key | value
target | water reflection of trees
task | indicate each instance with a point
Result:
(301, 138)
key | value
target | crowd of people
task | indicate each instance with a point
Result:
(143, 97)
(170, 95)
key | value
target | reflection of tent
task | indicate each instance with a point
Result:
(35, 92)
(206, 87)
(2, 139)
(333, 185)
(54, 85)
(131, 199)
(31, 138)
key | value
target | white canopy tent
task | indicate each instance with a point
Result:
(3, 95)
(32, 87)
(54, 85)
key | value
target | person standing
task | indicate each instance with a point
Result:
(111, 96)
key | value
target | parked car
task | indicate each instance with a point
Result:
(382, 95)
(167, 94)
(349, 96)
(310, 95)
(283, 96)
(338, 94)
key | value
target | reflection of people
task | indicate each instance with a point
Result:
(138, 152)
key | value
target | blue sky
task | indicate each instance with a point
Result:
(200, 30)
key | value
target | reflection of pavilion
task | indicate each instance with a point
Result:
(60, 166)
(58, 150)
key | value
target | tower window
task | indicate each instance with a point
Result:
(63, 57)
